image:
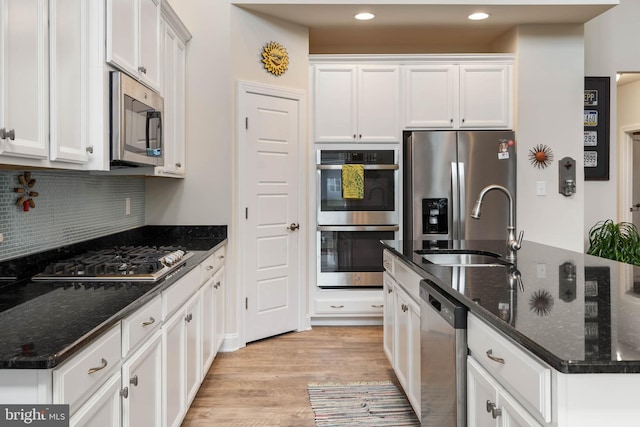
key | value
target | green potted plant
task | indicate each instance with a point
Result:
(616, 241)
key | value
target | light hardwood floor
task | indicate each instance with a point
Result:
(265, 383)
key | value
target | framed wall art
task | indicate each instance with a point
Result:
(596, 128)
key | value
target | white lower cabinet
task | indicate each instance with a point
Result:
(102, 409)
(489, 404)
(142, 380)
(174, 334)
(401, 327)
(193, 324)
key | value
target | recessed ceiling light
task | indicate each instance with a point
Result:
(479, 16)
(365, 16)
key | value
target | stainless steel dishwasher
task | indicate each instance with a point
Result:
(443, 358)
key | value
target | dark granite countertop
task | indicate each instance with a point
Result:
(578, 313)
(44, 323)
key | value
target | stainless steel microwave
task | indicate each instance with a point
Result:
(136, 123)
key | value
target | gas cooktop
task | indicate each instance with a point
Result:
(122, 263)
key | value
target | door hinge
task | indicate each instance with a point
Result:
(246, 213)
(246, 303)
(246, 122)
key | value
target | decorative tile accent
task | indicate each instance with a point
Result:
(71, 207)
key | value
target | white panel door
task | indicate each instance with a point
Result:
(270, 165)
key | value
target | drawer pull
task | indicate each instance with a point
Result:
(188, 317)
(134, 380)
(389, 290)
(217, 285)
(221, 257)
(377, 305)
(404, 307)
(124, 392)
(99, 368)
(337, 306)
(151, 321)
(494, 358)
(209, 267)
(495, 412)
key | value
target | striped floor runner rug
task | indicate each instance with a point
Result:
(360, 404)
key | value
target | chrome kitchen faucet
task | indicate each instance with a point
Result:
(513, 244)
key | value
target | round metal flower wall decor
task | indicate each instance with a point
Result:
(540, 156)
(275, 58)
(541, 302)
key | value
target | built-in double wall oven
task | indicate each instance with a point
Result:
(350, 228)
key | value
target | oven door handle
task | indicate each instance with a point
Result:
(366, 167)
(358, 228)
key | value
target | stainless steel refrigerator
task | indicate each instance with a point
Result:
(444, 171)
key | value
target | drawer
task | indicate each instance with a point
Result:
(76, 379)
(139, 325)
(387, 261)
(212, 264)
(518, 372)
(409, 279)
(367, 306)
(180, 291)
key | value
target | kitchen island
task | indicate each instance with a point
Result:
(575, 316)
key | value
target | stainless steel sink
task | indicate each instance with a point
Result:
(466, 258)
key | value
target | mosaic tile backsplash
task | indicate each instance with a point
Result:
(71, 207)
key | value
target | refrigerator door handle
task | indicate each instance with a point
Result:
(462, 197)
(455, 201)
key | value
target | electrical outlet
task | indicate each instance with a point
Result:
(541, 188)
(127, 206)
(541, 270)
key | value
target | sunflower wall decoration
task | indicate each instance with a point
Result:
(541, 156)
(25, 191)
(275, 58)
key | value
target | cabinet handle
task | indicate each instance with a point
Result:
(404, 307)
(134, 380)
(462, 120)
(495, 412)
(217, 285)
(386, 263)
(11, 134)
(360, 136)
(188, 317)
(377, 305)
(389, 290)
(124, 392)
(354, 136)
(90, 149)
(451, 121)
(151, 321)
(178, 165)
(494, 358)
(142, 69)
(221, 257)
(99, 368)
(209, 267)
(337, 306)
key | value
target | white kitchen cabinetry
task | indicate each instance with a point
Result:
(174, 362)
(174, 41)
(193, 324)
(102, 409)
(402, 325)
(142, 385)
(389, 325)
(24, 91)
(133, 38)
(472, 95)
(489, 404)
(356, 103)
(212, 308)
(70, 39)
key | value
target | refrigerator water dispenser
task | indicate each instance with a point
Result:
(434, 216)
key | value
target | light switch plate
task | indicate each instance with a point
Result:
(541, 188)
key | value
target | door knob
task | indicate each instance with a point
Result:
(293, 226)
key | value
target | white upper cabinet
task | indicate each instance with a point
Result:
(24, 90)
(69, 80)
(357, 103)
(473, 95)
(432, 96)
(133, 38)
(485, 96)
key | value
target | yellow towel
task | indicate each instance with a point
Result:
(352, 181)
